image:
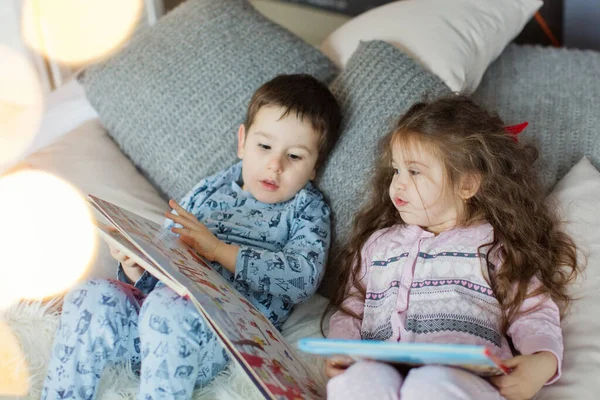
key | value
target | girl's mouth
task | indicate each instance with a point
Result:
(399, 202)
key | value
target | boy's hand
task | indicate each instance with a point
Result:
(336, 365)
(131, 269)
(193, 233)
(528, 375)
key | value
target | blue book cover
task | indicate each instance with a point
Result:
(477, 359)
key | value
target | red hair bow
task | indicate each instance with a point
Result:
(514, 130)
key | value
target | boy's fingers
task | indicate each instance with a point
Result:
(118, 255)
(183, 232)
(173, 217)
(180, 210)
(183, 220)
(174, 204)
(187, 240)
(127, 262)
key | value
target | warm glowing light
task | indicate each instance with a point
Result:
(14, 379)
(20, 104)
(75, 31)
(47, 236)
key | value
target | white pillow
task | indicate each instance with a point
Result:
(454, 39)
(87, 158)
(64, 109)
(578, 198)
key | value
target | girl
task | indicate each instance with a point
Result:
(456, 245)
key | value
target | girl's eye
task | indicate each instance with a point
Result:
(295, 157)
(264, 146)
(396, 171)
(413, 172)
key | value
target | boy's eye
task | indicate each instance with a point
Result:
(295, 157)
(264, 146)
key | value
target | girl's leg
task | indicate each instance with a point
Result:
(179, 349)
(98, 325)
(438, 382)
(366, 380)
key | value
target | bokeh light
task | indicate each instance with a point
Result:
(47, 236)
(21, 104)
(76, 31)
(14, 378)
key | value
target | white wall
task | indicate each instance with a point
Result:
(10, 35)
(9, 27)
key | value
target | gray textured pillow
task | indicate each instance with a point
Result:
(377, 86)
(557, 91)
(174, 97)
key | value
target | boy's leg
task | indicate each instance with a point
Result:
(98, 325)
(366, 380)
(179, 349)
(438, 382)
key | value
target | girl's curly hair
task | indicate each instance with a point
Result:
(527, 234)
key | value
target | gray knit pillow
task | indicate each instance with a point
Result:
(175, 96)
(557, 91)
(377, 86)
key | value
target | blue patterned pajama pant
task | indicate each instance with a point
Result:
(107, 322)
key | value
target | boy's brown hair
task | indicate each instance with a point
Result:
(309, 99)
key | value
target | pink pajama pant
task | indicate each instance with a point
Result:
(377, 381)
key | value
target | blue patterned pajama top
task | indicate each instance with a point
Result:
(283, 246)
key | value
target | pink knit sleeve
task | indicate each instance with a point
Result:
(537, 328)
(342, 325)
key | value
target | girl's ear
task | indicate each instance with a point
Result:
(469, 185)
(241, 141)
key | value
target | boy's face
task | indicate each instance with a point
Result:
(278, 155)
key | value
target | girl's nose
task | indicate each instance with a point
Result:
(399, 183)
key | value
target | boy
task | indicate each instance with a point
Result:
(261, 223)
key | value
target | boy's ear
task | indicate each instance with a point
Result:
(241, 141)
(469, 186)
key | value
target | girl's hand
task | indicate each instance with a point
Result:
(131, 269)
(336, 365)
(193, 233)
(528, 375)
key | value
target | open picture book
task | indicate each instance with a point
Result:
(250, 338)
(477, 359)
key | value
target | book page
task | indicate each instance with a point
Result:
(253, 340)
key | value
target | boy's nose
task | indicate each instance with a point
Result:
(275, 164)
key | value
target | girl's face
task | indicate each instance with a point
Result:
(420, 190)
